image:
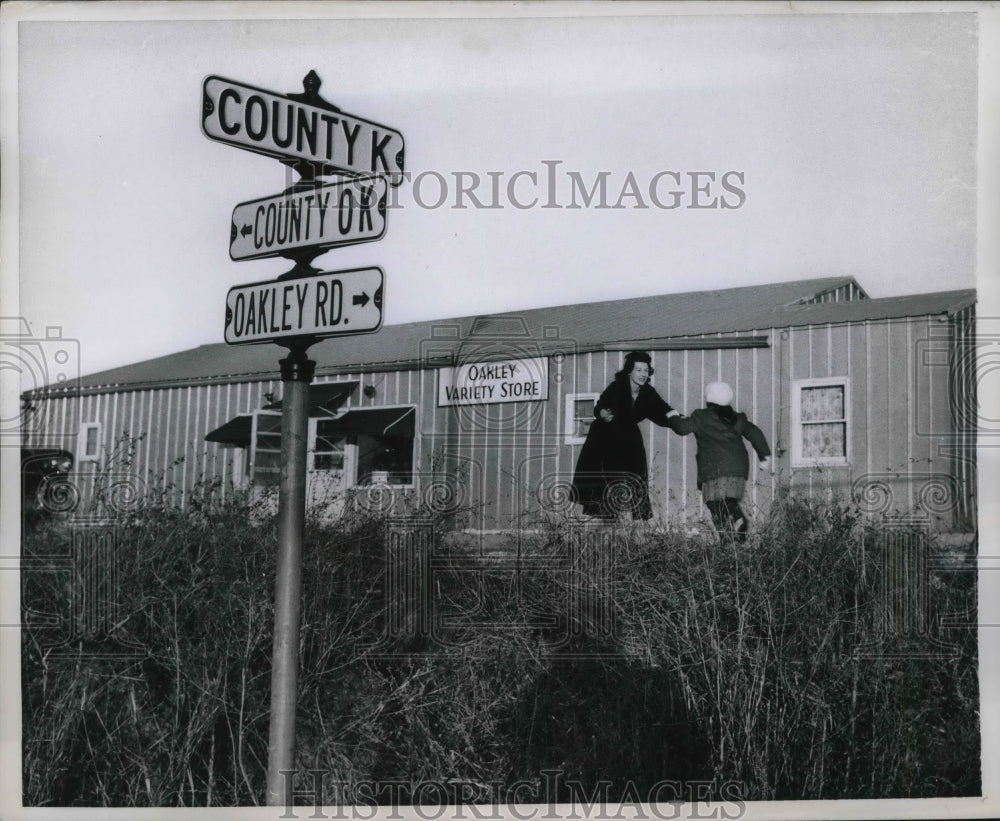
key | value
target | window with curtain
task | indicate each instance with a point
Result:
(820, 420)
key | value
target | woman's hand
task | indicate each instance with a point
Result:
(606, 414)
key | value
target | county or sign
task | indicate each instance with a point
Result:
(483, 383)
(335, 303)
(326, 216)
(285, 128)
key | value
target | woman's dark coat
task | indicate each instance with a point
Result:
(614, 451)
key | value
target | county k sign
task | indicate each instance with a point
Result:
(278, 126)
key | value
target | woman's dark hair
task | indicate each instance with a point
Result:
(724, 412)
(630, 359)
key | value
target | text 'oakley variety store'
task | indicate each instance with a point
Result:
(868, 399)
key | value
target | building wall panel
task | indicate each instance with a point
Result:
(902, 423)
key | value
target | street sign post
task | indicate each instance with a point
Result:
(301, 307)
(286, 128)
(320, 305)
(316, 218)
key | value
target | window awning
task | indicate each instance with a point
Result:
(324, 400)
(375, 422)
(236, 431)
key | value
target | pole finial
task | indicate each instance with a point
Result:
(311, 82)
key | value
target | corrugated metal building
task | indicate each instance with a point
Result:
(864, 399)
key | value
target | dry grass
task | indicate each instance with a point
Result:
(726, 663)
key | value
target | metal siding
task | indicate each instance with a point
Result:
(686, 404)
(214, 456)
(896, 386)
(674, 474)
(197, 444)
(839, 341)
(147, 407)
(696, 391)
(923, 399)
(789, 372)
(859, 421)
(897, 406)
(187, 480)
(175, 426)
(112, 433)
(964, 417)
(496, 450)
(56, 412)
(427, 412)
(910, 396)
(876, 408)
(819, 351)
(748, 403)
(547, 454)
(778, 436)
(798, 353)
(511, 455)
(755, 391)
(229, 478)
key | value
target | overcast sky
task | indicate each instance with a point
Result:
(849, 142)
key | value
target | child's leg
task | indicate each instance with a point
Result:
(738, 518)
(720, 516)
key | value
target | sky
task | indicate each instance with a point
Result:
(847, 143)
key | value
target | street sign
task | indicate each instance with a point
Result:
(315, 139)
(325, 216)
(279, 126)
(328, 303)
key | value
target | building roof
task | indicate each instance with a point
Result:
(537, 331)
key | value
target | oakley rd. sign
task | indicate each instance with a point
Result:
(325, 304)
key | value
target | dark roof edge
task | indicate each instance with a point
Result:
(962, 299)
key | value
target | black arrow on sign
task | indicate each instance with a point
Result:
(360, 300)
(247, 229)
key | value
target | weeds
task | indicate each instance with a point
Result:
(731, 662)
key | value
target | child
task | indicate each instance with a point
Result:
(723, 465)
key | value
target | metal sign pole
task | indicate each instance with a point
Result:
(301, 307)
(296, 374)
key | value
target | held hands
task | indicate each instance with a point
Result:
(607, 415)
(764, 463)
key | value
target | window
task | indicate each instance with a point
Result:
(385, 460)
(578, 416)
(89, 442)
(330, 449)
(820, 422)
(381, 440)
(365, 446)
(266, 452)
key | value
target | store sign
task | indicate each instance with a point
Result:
(485, 383)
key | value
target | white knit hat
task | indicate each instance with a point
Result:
(718, 393)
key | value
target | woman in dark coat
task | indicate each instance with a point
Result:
(723, 465)
(611, 474)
